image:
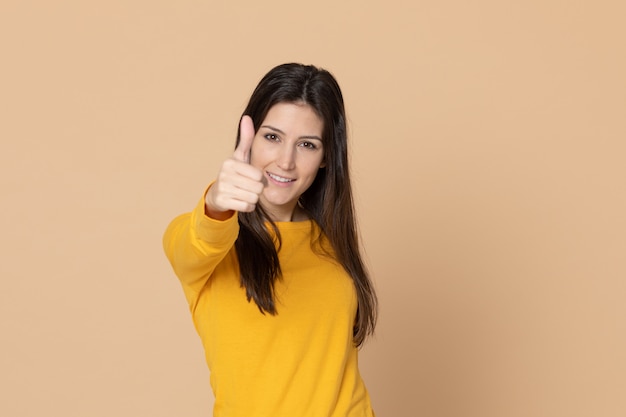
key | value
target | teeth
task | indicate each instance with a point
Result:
(279, 179)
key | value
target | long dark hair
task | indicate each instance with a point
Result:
(328, 201)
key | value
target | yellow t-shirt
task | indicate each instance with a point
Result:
(301, 362)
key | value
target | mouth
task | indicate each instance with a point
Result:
(280, 179)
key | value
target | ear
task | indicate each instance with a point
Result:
(323, 164)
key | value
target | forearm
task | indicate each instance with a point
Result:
(195, 243)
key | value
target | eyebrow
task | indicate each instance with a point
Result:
(300, 137)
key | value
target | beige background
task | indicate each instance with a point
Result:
(488, 153)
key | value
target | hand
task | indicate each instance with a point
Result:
(239, 184)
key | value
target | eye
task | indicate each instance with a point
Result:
(271, 137)
(308, 145)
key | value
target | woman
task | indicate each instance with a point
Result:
(269, 259)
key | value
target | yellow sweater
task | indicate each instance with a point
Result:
(301, 362)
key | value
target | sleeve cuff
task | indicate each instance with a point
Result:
(211, 230)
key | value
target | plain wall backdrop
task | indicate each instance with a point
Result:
(487, 142)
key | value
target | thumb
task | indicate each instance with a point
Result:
(246, 136)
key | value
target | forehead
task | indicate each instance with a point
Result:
(297, 117)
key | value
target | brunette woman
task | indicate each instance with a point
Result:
(269, 259)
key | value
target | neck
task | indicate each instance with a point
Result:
(296, 214)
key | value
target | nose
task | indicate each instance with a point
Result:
(286, 158)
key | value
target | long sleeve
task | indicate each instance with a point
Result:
(195, 244)
(299, 362)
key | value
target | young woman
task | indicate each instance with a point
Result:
(269, 259)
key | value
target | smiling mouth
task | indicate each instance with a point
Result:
(279, 179)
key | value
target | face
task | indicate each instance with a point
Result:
(288, 149)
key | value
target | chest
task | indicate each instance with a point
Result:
(314, 296)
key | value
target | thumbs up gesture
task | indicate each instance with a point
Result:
(239, 184)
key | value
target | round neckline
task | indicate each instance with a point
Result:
(299, 226)
(293, 225)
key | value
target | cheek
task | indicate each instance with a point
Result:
(319, 162)
(258, 155)
(313, 167)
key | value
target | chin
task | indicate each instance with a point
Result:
(277, 200)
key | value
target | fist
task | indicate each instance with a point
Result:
(239, 184)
